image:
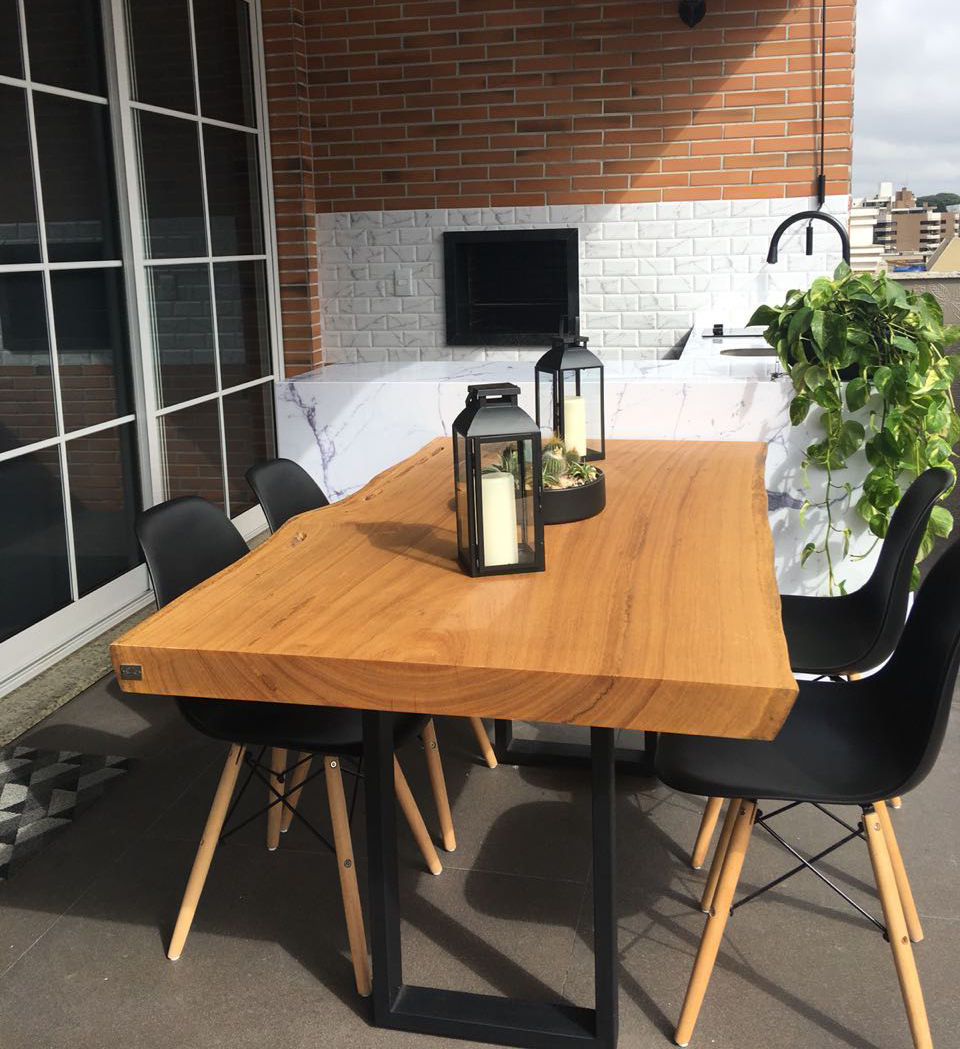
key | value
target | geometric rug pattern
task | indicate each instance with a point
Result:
(41, 792)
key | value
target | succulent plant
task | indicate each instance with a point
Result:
(561, 468)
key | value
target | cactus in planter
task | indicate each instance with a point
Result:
(561, 468)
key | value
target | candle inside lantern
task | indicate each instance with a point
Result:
(498, 496)
(575, 425)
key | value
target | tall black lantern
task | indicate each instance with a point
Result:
(570, 394)
(497, 470)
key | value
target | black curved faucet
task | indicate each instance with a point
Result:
(800, 216)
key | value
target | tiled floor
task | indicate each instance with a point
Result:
(83, 924)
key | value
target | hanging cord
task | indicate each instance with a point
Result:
(822, 177)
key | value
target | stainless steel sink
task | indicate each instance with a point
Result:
(749, 351)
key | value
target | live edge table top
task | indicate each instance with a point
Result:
(661, 613)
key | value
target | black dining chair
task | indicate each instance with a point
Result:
(285, 489)
(186, 541)
(843, 743)
(853, 633)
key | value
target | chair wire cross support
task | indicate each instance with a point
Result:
(256, 768)
(762, 820)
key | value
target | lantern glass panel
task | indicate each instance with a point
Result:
(591, 389)
(460, 491)
(505, 509)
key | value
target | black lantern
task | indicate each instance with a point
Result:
(497, 471)
(570, 394)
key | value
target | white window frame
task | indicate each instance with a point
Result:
(36, 648)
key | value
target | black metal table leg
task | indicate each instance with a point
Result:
(511, 750)
(482, 1017)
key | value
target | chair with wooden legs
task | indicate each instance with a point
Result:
(185, 541)
(853, 743)
(850, 634)
(284, 489)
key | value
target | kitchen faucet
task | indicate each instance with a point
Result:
(772, 254)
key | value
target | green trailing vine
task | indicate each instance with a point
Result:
(872, 356)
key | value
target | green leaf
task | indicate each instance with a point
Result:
(905, 345)
(881, 377)
(799, 407)
(765, 315)
(938, 451)
(878, 525)
(914, 577)
(856, 393)
(842, 271)
(941, 521)
(936, 419)
(809, 549)
(826, 396)
(799, 323)
(850, 437)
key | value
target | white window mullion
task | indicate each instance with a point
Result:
(48, 301)
(210, 274)
(266, 191)
(131, 200)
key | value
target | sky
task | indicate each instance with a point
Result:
(905, 120)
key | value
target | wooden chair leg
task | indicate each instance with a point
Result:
(278, 762)
(745, 811)
(897, 932)
(343, 842)
(439, 785)
(205, 850)
(294, 787)
(912, 918)
(486, 748)
(412, 814)
(706, 901)
(708, 824)
(896, 802)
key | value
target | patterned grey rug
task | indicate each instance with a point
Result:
(41, 792)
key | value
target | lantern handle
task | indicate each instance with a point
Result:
(487, 391)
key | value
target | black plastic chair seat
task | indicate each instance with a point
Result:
(839, 745)
(855, 632)
(831, 635)
(334, 730)
(284, 490)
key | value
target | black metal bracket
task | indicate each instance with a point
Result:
(809, 864)
(481, 1017)
(511, 750)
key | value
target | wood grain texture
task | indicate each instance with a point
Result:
(661, 613)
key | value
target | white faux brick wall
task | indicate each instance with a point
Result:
(646, 270)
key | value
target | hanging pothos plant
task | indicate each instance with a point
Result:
(863, 345)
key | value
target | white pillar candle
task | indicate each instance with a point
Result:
(575, 425)
(498, 495)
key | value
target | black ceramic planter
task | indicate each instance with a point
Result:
(562, 505)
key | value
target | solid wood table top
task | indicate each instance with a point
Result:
(661, 613)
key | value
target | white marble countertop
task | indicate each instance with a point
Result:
(701, 359)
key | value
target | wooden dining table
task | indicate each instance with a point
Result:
(662, 614)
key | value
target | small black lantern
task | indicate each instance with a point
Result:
(497, 473)
(570, 394)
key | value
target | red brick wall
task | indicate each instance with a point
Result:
(291, 145)
(443, 103)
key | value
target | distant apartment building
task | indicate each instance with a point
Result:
(891, 230)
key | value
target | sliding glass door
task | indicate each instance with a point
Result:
(138, 340)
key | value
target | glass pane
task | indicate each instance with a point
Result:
(191, 452)
(499, 524)
(90, 322)
(105, 498)
(26, 381)
(11, 60)
(241, 289)
(182, 332)
(460, 493)
(76, 178)
(19, 238)
(161, 66)
(172, 190)
(224, 62)
(34, 577)
(65, 41)
(248, 424)
(233, 191)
